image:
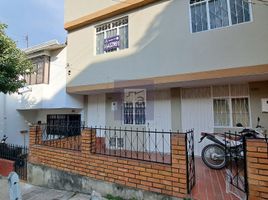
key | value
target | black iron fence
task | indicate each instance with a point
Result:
(235, 154)
(190, 160)
(138, 144)
(60, 136)
(19, 155)
(236, 162)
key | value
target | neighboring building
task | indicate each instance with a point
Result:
(43, 99)
(204, 64)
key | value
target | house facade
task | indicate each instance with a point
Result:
(169, 64)
(43, 99)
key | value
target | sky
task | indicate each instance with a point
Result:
(41, 20)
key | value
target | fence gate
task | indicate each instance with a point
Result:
(236, 169)
(189, 142)
(19, 155)
(21, 164)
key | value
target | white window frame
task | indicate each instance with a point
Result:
(116, 146)
(208, 16)
(229, 99)
(112, 28)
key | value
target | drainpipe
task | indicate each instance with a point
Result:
(3, 126)
(5, 115)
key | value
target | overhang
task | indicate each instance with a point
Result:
(196, 79)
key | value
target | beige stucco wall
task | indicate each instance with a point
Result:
(160, 43)
(76, 9)
(258, 90)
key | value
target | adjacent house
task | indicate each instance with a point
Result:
(168, 64)
(43, 99)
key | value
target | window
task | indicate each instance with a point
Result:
(134, 106)
(40, 71)
(112, 36)
(116, 142)
(211, 14)
(64, 125)
(232, 108)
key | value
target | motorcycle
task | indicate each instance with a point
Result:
(3, 141)
(226, 144)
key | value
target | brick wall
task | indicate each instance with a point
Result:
(257, 168)
(160, 178)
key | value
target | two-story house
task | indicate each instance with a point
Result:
(43, 99)
(169, 64)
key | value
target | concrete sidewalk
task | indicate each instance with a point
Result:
(30, 192)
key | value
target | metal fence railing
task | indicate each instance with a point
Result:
(18, 154)
(139, 144)
(60, 136)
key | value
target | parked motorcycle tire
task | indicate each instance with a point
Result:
(213, 155)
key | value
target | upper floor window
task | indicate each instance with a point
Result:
(211, 14)
(112, 36)
(40, 71)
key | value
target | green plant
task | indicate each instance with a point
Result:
(111, 197)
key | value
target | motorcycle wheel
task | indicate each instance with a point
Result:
(213, 155)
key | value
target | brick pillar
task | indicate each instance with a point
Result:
(86, 141)
(35, 135)
(179, 164)
(257, 169)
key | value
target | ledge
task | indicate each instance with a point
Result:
(175, 80)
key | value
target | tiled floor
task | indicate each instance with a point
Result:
(210, 184)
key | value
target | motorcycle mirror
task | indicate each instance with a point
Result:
(239, 125)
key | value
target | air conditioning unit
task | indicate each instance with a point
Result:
(264, 105)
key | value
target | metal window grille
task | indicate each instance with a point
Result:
(64, 125)
(128, 113)
(210, 14)
(39, 73)
(117, 27)
(140, 113)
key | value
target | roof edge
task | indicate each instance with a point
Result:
(49, 45)
(105, 13)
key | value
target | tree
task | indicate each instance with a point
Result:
(13, 64)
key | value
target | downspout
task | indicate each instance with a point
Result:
(4, 115)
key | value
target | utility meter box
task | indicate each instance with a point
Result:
(264, 105)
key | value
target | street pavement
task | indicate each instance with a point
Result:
(30, 192)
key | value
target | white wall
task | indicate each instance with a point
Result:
(96, 110)
(161, 111)
(13, 121)
(52, 95)
(18, 111)
(42, 114)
